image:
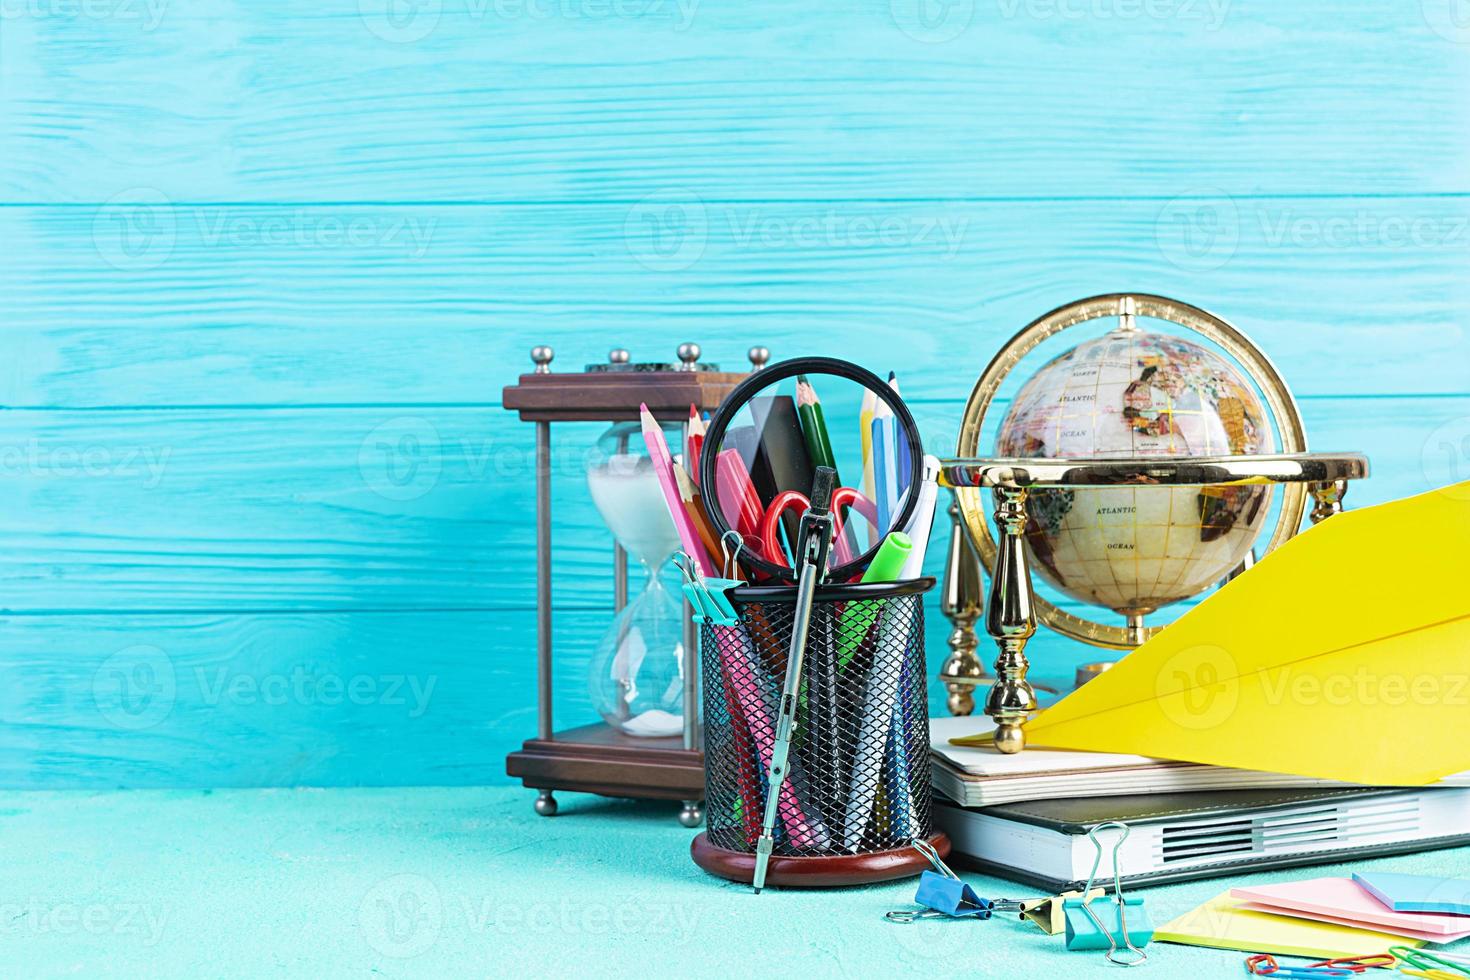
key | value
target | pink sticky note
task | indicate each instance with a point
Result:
(1344, 902)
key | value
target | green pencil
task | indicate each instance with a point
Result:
(814, 425)
(819, 445)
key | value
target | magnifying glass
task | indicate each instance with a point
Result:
(758, 457)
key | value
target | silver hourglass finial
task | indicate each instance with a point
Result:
(542, 355)
(758, 357)
(689, 357)
(618, 355)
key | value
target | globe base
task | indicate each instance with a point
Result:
(1010, 738)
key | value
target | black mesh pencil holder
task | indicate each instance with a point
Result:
(857, 793)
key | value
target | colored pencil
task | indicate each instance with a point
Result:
(694, 505)
(819, 448)
(885, 492)
(663, 465)
(814, 425)
(865, 430)
(903, 465)
(694, 443)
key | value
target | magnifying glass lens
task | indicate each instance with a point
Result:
(764, 461)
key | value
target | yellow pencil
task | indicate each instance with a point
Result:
(865, 424)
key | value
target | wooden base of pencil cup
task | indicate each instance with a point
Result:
(816, 872)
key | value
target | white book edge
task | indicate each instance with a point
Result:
(985, 765)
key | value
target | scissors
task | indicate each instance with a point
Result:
(795, 500)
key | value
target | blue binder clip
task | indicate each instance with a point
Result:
(941, 891)
(1098, 922)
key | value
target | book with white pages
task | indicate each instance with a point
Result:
(973, 776)
(1184, 836)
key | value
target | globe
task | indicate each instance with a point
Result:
(1137, 393)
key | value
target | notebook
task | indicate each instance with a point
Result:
(985, 777)
(1182, 836)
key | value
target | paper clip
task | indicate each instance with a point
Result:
(1265, 965)
(1420, 963)
(1358, 964)
(1078, 911)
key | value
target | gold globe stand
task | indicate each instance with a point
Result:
(1013, 609)
(1009, 613)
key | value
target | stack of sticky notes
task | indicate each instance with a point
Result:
(1329, 917)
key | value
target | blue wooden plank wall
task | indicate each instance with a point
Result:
(267, 266)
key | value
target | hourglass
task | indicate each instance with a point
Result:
(645, 745)
(636, 679)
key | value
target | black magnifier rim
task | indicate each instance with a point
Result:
(773, 374)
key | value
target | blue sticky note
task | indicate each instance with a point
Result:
(1417, 893)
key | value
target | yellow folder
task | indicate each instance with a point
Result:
(1221, 924)
(1344, 654)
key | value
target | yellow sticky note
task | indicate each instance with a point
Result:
(1222, 924)
(1342, 655)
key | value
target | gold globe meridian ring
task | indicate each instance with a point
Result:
(1258, 366)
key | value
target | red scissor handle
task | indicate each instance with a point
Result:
(842, 498)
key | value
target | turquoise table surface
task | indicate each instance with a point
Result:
(460, 882)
